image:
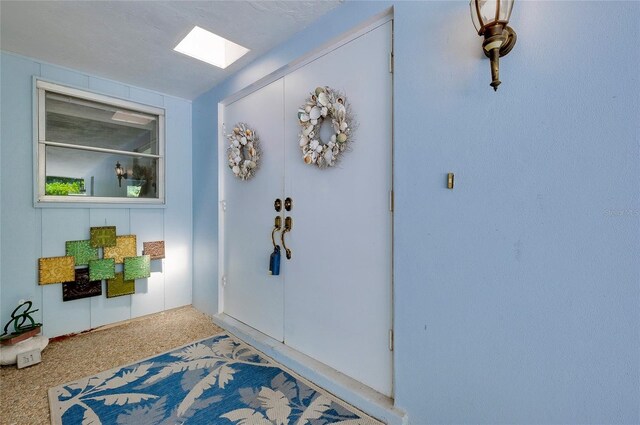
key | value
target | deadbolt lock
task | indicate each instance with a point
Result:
(277, 205)
(288, 204)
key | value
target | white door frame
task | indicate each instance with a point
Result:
(333, 44)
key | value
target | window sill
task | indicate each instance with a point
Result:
(78, 202)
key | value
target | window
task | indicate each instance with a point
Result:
(95, 148)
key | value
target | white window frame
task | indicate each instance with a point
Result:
(41, 87)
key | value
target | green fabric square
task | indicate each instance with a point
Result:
(117, 286)
(82, 251)
(137, 267)
(102, 269)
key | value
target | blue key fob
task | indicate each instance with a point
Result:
(274, 262)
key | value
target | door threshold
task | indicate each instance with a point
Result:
(340, 385)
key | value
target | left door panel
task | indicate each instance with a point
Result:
(251, 295)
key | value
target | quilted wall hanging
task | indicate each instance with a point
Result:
(79, 281)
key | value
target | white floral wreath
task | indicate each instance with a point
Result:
(325, 102)
(243, 152)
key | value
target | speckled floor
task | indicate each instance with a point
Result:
(23, 393)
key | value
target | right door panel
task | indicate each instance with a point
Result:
(338, 293)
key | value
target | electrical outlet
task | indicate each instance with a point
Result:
(29, 358)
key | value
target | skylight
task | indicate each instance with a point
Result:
(210, 48)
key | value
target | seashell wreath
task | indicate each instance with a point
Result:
(325, 103)
(243, 151)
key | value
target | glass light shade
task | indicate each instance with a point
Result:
(485, 13)
(504, 14)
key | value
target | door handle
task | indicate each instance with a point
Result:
(288, 225)
(277, 225)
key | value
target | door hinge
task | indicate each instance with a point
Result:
(223, 205)
(224, 280)
(391, 201)
(390, 339)
(391, 62)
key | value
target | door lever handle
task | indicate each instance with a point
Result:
(277, 225)
(288, 225)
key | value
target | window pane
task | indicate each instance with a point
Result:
(64, 186)
(86, 173)
(82, 122)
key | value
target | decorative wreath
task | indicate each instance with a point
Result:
(243, 151)
(325, 103)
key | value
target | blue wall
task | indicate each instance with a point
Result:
(205, 205)
(517, 293)
(29, 233)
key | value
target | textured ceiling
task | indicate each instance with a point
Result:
(132, 41)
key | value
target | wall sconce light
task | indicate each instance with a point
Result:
(121, 173)
(490, 17)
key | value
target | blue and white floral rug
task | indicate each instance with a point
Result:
(214, 381)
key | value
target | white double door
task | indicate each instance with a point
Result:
(333, 299)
